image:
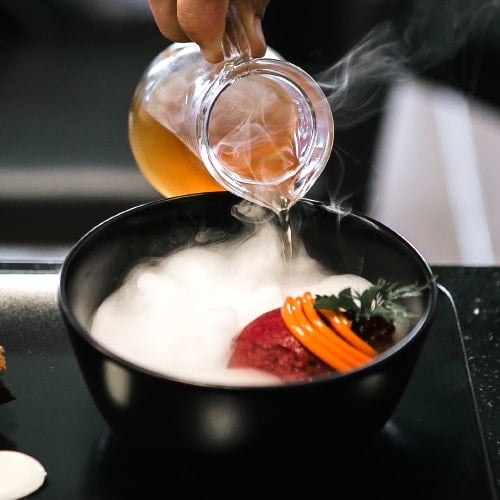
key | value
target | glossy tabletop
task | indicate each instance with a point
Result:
(443, 440)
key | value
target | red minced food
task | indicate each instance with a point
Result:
(267, 344)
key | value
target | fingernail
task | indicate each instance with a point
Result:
(213, 53)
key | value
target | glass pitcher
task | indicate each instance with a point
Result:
(261, 128)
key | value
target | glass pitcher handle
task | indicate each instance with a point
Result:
(235, 44)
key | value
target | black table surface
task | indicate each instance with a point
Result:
(443, 440)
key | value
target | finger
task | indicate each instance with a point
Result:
(204, 21)
(251, 14)
(165, 16)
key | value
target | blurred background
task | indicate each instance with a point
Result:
(414, 87)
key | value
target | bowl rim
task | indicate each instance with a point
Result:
(419, 329)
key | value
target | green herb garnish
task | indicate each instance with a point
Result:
(380, 299)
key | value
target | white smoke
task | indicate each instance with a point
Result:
(434, 32)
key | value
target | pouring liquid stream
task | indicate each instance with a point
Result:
(161, 156)
(261, 188)
(257, 146)
(286, 233)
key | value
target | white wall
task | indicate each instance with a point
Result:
(437, 174)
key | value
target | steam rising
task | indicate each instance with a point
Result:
(177, 315)
(435, 30)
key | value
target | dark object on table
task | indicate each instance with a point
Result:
(150, 408)
(5, 394)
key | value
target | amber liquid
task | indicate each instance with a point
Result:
(166, 163)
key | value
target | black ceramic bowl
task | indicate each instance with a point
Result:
(155, 409)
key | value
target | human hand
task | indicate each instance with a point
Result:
(204, 21)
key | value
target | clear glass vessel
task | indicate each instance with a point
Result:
(261, 128)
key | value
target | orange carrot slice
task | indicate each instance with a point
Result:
(325, 333)
(343, 326)
(327, 337)
(357, 356)
(302, 331)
